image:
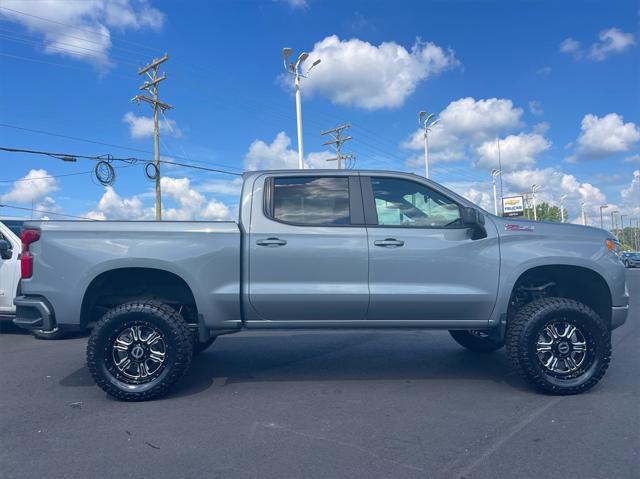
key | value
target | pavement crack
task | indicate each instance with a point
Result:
(458, 469)
(339, 443)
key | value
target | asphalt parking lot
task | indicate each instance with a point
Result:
(316, 404)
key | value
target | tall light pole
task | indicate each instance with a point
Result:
(562, 197)
(294, 69)
(427, 124)
(602, 207)
(584, 216)
(613, 221)
(534, 189)
(494, 174)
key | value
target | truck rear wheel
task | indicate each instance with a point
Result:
(138, 350)
(559, 346)
(476, 340)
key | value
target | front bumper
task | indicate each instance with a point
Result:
(34, 312)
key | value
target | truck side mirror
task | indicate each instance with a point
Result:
(471, 217)
(5, 250)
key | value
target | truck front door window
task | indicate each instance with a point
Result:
(406, 203)
(322, 201)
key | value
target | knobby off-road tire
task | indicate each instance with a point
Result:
(476, 340)
(559, 346)
(138, 350)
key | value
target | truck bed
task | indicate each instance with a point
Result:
(75, 253)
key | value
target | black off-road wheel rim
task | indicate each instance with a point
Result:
(137, 354)
(565, 351)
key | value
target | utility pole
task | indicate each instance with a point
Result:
(152, 87)
(584, 216)
(494, 175)
(562, 197)
(613, 221)
(337, 141)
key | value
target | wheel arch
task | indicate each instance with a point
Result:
(121, 284)
(580, 283)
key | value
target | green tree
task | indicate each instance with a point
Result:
(547, 212)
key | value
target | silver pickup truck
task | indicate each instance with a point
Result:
(331, 250)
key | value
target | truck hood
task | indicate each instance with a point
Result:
(515, 227)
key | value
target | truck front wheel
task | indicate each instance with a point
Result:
(559, 346)
(138, 350)
(476, 340)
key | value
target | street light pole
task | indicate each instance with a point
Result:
(562, 197)
(534, 189)
(294, 69)
(427, 124)
(613, 221)
(602, 207)
(494, 175)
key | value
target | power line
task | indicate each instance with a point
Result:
(46, 212)
(93, 32)
(63, 65)
(111, 145)
(109, 158)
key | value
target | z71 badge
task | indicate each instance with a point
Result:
(512, 227)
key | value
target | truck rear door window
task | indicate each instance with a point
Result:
(322, 201)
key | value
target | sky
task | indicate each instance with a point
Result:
(554, 83)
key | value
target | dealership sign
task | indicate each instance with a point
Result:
(513, 206)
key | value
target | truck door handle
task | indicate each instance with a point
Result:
(272, 242)
(389, 243)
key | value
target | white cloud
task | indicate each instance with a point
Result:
(32, 187)
(630, 196)
(279, 155)
(544, 71)
(604, 136)
(632, 159)
(569, 45)
(113, 207)
(82, 29)
(45, 208)
(190, 204)
(295, 3)
(516, 151)
(611, 41)
(464, 122)
(356, 73)
(482, 118)
(554, 184)
(142, 126)
(536, 108)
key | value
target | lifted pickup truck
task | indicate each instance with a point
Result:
(327, 249)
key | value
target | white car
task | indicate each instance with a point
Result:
(10, 273)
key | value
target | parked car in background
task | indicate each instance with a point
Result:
(10, 248)
(327, 249)
(9, 267)
(631, 259)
